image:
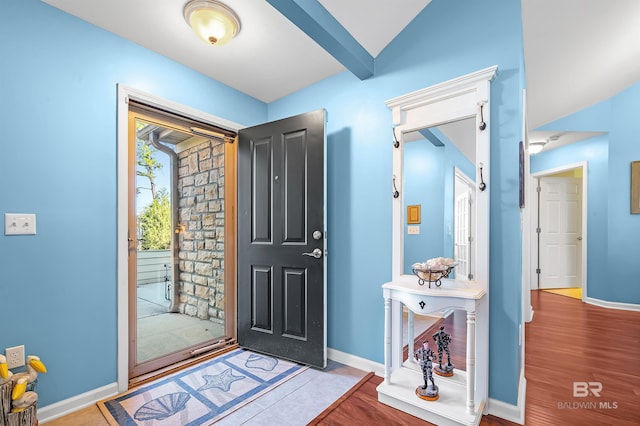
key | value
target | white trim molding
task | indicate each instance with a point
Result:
(513, 413)
(355, 361)
(70, 405)
(584, 165)
(613, 305)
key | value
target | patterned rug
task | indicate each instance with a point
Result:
(202, 394)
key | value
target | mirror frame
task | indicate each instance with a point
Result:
(451, 100)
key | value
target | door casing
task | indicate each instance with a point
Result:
(534, 220)
(124, 94)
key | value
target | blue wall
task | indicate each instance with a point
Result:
(612, 230)
(595, 152)
(58, 121)
(429, 180)
(624, 228)
(423, 184)
(447, 39)
(58, 115)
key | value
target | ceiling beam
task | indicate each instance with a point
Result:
(315, 21)
(431, 137)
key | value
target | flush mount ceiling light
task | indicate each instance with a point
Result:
(213, 22)
(536, 147)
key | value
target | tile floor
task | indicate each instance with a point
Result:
(161, 332)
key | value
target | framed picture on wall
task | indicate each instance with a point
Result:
(635, 187)
(413, 214)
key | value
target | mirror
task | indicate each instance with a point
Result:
(441, 167)
(439, 179)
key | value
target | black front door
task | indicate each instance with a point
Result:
(281, 239)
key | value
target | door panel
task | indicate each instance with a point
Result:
(560, 228)
(281, 285)
(261, 190)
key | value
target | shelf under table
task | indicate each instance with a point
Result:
(449, 409)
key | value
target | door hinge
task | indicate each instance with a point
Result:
(537, 270)
(538, 230)
(470, 277)
(539, 189)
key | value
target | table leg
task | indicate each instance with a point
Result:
(387, 340)
(411, 340)
(471, 360)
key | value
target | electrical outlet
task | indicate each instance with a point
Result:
(15, 356)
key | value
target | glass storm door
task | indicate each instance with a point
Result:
(177, 303)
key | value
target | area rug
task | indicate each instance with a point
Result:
(202, 394)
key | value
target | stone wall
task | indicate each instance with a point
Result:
(201, 240)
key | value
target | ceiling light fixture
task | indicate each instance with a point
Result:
(536, 147)
(213, 22)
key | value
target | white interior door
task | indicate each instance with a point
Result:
(560, 232)
(463, 226)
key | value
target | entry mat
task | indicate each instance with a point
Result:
(201, 394)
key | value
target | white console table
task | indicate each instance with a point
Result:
(462, 397)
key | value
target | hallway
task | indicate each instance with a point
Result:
(576, 351)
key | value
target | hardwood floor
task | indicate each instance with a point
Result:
(568, 341)
(456, 326)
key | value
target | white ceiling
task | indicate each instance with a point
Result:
(577, 52)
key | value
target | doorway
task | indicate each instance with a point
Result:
(282, 238)
(464, 225)
(181, 290)
(559, 230)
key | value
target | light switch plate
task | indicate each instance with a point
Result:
(19, 224)
(413, 230)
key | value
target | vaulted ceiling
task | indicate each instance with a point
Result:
(577, 52)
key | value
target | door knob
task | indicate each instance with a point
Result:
(579, 238)
(317, 253)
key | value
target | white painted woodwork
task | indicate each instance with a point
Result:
(464, 224)
(463, 402)
(560, 232)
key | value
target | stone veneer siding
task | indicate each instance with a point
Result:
(201, 214)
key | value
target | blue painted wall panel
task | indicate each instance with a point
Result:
(623, 285)
(58, 81)
(446, 40)
(613, 230)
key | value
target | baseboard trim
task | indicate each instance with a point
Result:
(355, 361)
(68, 406)
(613, 305)
(514, 413)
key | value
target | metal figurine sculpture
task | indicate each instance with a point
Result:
(425, 355)
(442, 339)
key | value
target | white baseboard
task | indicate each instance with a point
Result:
(68, 406)
(514, 413)
(356, 362)
(613, 305)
